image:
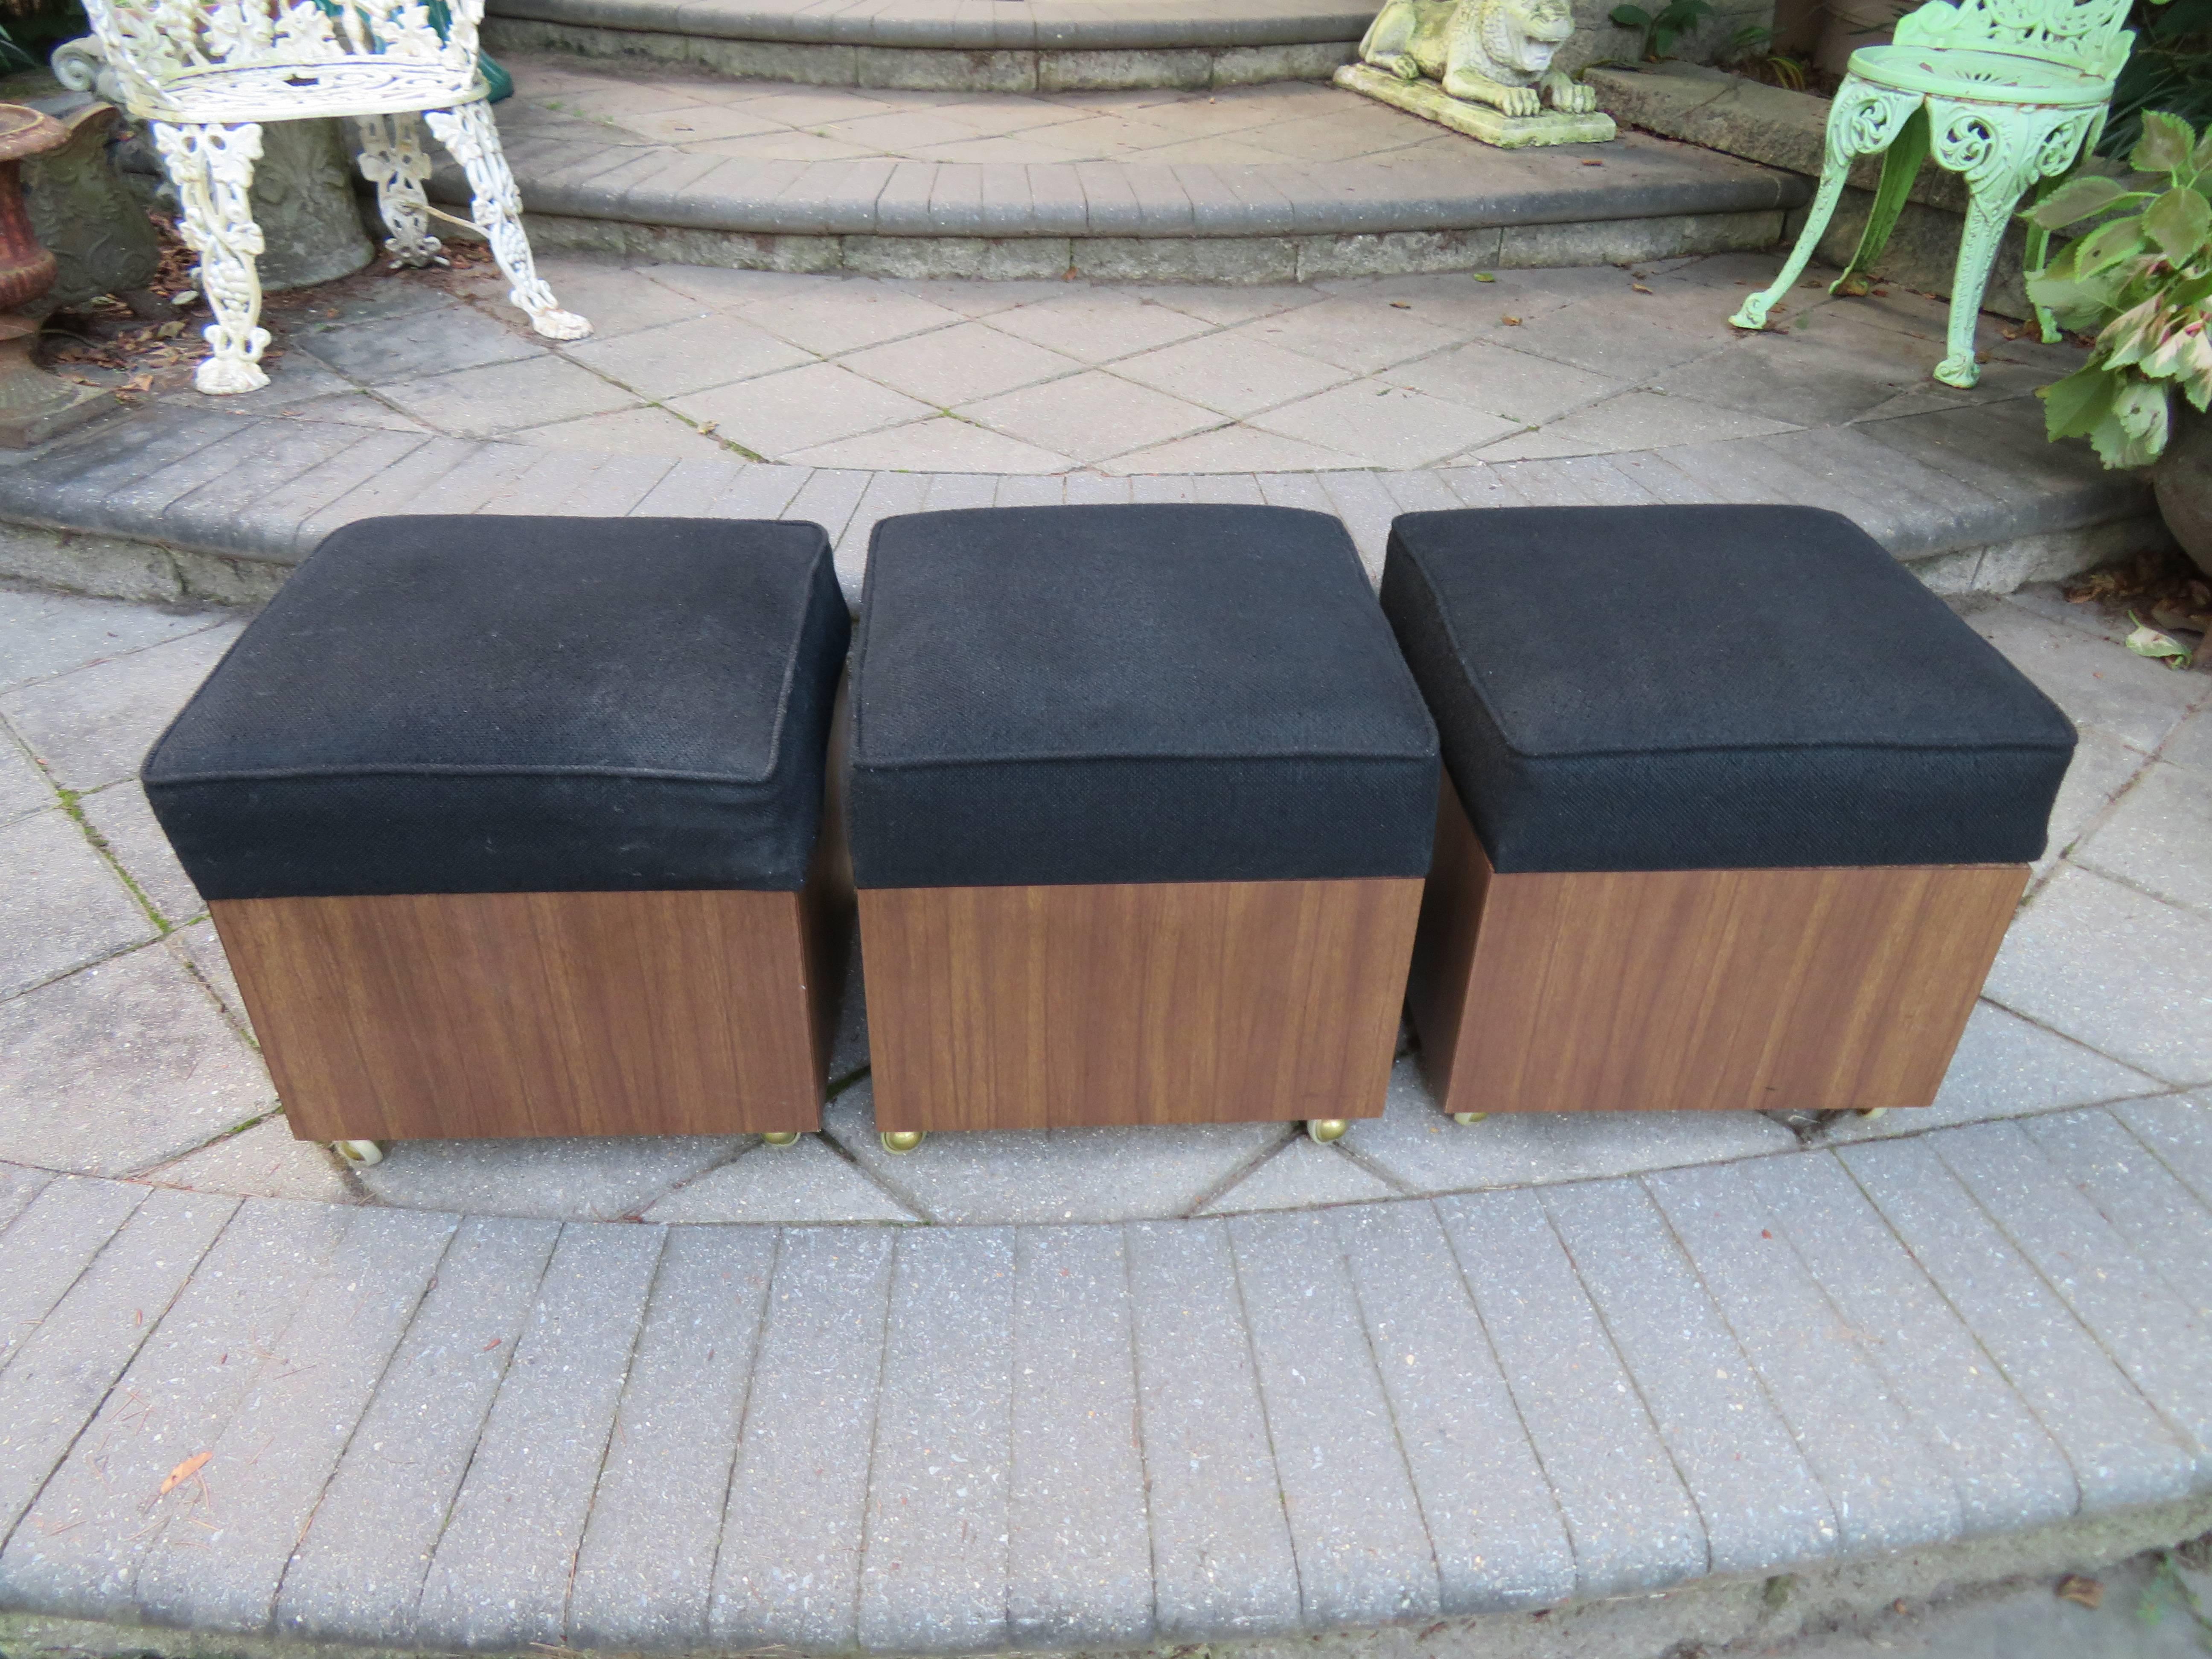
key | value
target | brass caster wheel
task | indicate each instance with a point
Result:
(362, 1152)
(1326, 1129)
(902, 1140)
(1465, 1118)
(1872, 1111)
(782, 1138)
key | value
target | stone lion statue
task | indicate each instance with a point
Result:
(1488, 52)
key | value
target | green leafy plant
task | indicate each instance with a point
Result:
(2170, 68)
(1662, 27)
(2141, 279)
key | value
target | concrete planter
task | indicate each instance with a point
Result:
(2183, 482)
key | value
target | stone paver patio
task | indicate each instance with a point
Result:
(1099, 1388)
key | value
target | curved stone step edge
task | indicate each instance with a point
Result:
(968, 25)
(176, 503)
(923, 69)
(886, 196)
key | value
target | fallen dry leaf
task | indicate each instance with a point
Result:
(1639, 287)
(184, 1471)
(1510, 322)
(2087, 1591)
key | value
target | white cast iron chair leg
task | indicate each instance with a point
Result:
(212, 168)
(469, 131)
(393, 160)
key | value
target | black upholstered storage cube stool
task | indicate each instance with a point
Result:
(510, 826)
(1737, 810)
(1139, 801)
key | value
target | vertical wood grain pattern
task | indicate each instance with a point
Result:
(1170, 1002)
(1811, 990)
(498, 1014)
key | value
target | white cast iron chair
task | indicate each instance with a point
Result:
(206, 73)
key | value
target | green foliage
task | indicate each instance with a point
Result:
(1660, 28)
(2170, 70)
(13, 56)
(2143, 281)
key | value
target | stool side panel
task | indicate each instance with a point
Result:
(419, 1016)
(1134, 1003)
(1815, 989)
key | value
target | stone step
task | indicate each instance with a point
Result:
(997, 45)
(1284, 182)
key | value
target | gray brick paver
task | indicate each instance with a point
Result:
(1888, 1490)
(1078, 1551)
(1761, 1505)
(77, 479)
(2120, 1450)
(399, 489)
(951, 491)
(760, 489)
(1631, 1520)
(647, 1567)
(272, 1463)
(214, 515)
(688, 490)
(1092, 490)
(500, 1576)
(101, 1514)
(59, 1231)
(64, 1372)
(2180, 1132)
(2166, 1224)
(1041, 489)
(19, 1185)
(1222, 1556)
(2154, 1335)
(1494, 1525)
(2007, 1469)
(358, 1573)
(933, 1576)
(1363, 1550)
(790, 1562)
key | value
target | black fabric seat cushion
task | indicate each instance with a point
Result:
(1083, 694)
(496, 704)
(1696, 688)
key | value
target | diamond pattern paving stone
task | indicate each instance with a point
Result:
(2127, 697)
(2121, 1452)
(120, 1066)
(1090, 416)
(789, 1570)
(270, 1462)
(1302, 1175)
(933, 1577)
(1888, 1492)
(97, 1521)
(1498, 381)
(2153, 1334)
(1363, 1550)
(49, 1240)
(1221, 1555)
(1631, 1522)
(2115, 968)
(426, 340)
(805, 1183)
(1079, 1554)
(120, 816)
(93, 726)
(688, 355)
(598, 1178)
(1414, 1143)
(646, 1566)
(62, 905)
(1760, 1503)
(482, 402)
(62, 1372)
(777, 415)
(954, 365)
(1051, 1175)
(1230, 373)
(2007, 1470)
(2153, 838)
(2102, 768)
(262, 1162)
(1495, 1527)
(499, 1576)
(2006, 1066)
(23, 786)
(2165, 1224)
(358, 1573)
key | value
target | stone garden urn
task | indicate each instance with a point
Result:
(34, 405)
